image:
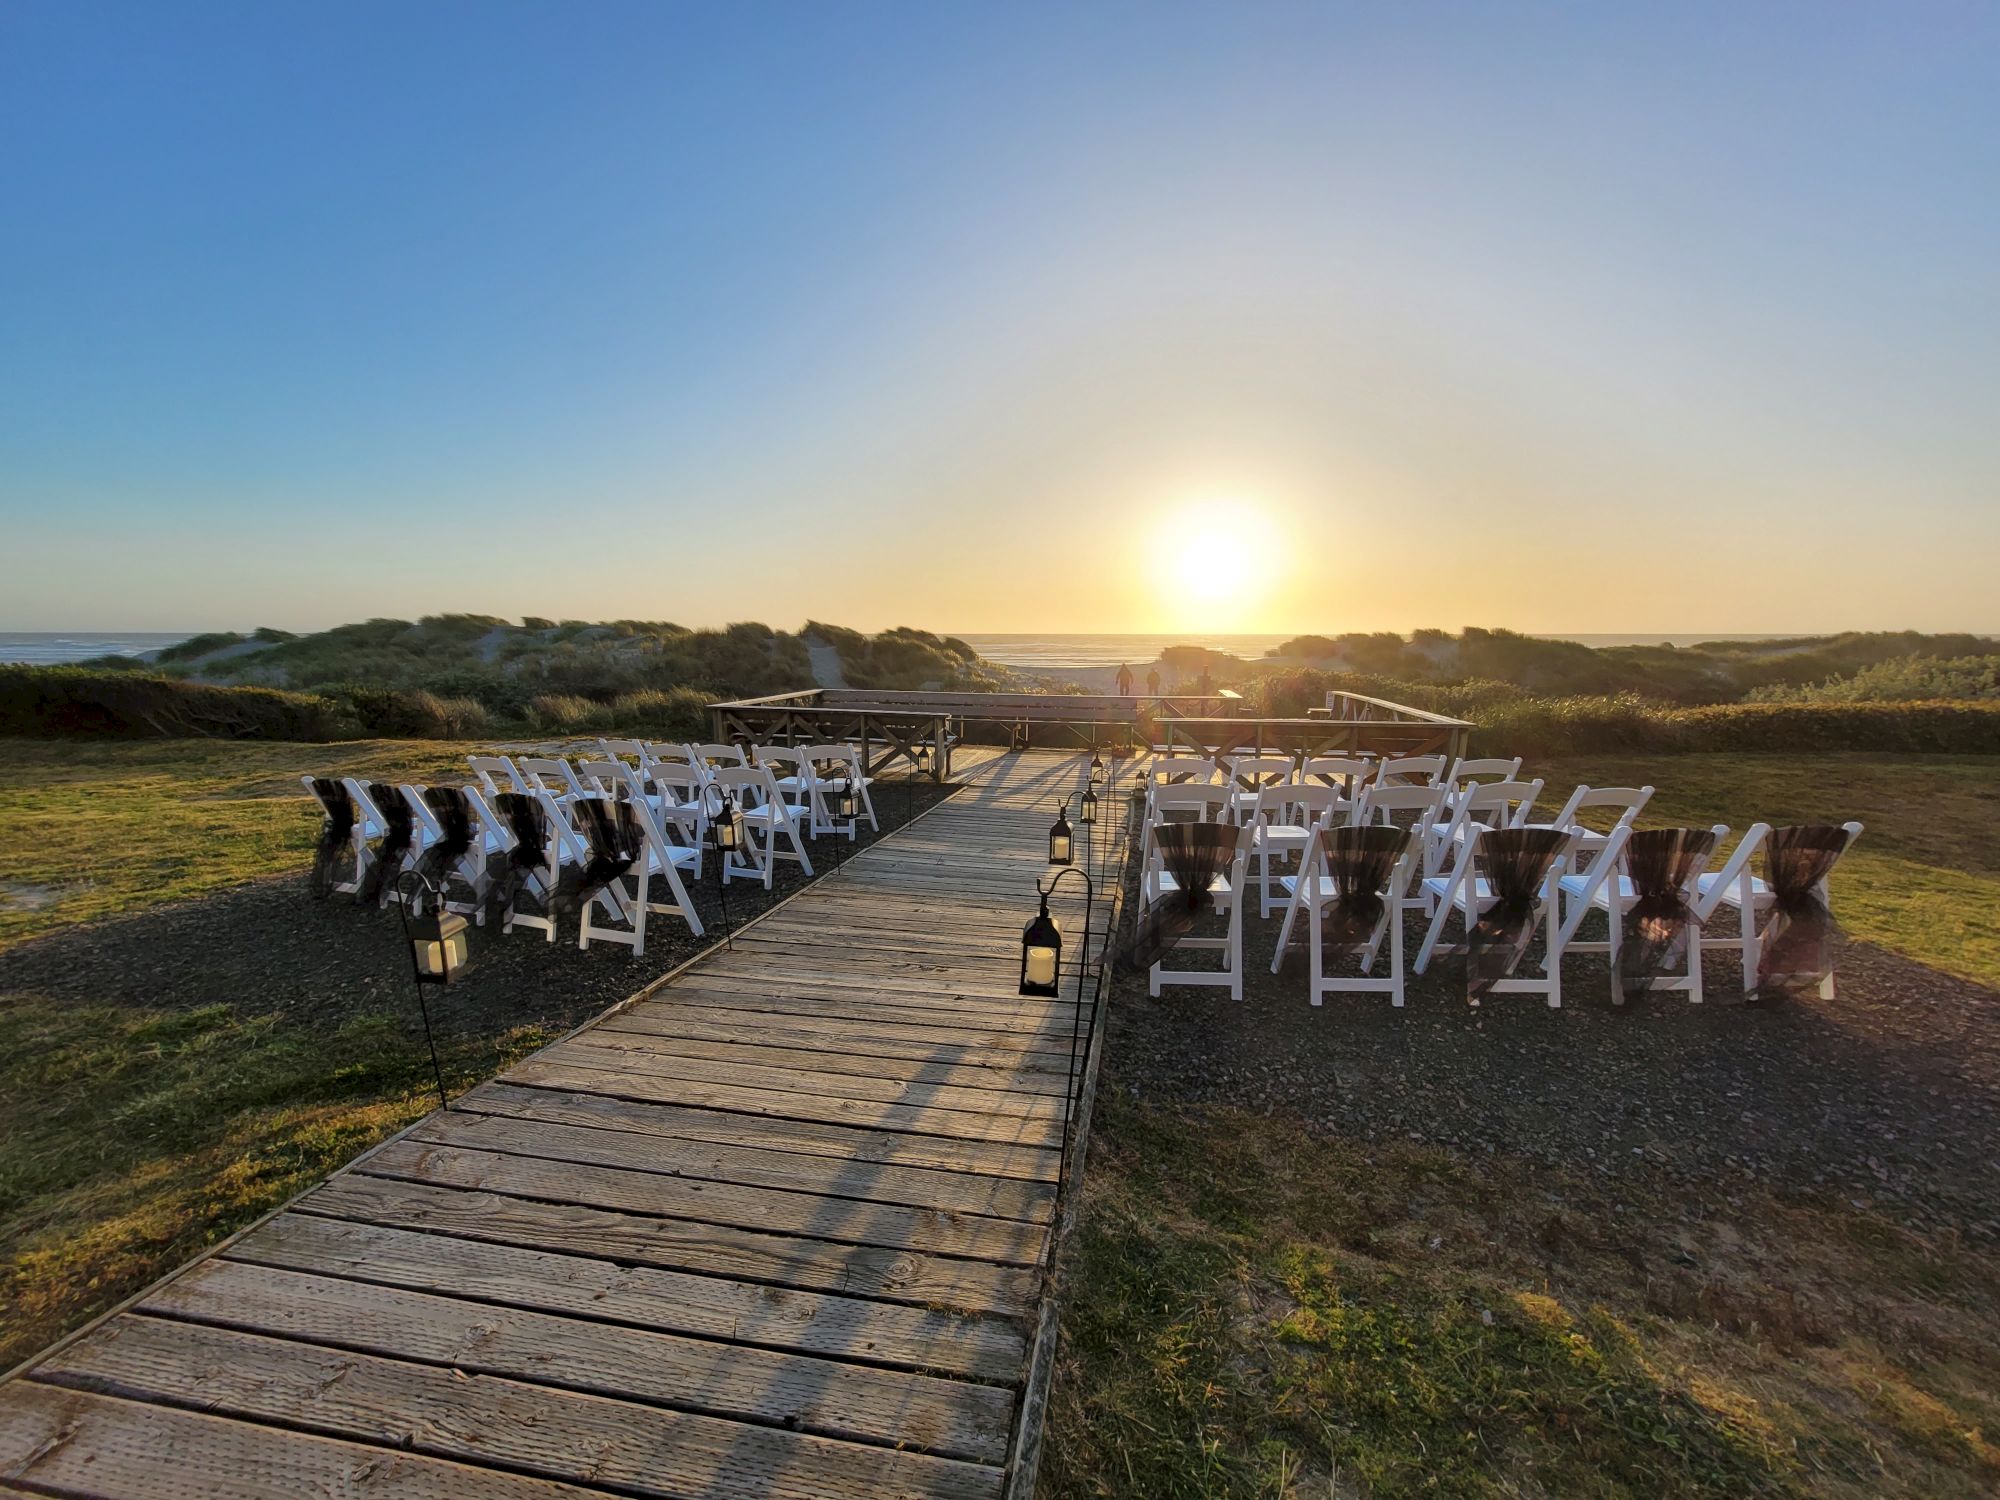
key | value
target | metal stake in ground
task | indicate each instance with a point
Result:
(1041, 936)
(438, 952)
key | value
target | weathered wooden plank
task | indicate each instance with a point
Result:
(955, 1418)
(567, 1176)
(480, 1419)
(861, 1163)
(688, 1025)
(809, 1137)
(595, 1049)
(971, 1286)
(1036, 1024)
(988, 1349)
(600, 1134)
(938, 1065)
(915, 1119)
(66, 1442)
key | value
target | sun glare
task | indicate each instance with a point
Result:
(1210, 564)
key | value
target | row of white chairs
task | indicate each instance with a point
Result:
(1439, 875)
(781, 797)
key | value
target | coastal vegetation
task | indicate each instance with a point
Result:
(462, 676)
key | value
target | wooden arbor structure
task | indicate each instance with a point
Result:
(922, 727)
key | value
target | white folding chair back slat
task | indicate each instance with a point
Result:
(1405, 770)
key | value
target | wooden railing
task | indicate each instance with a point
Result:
(921, 728)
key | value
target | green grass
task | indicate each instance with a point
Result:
(90, 829)
(1250, 1311)
(130, 1138)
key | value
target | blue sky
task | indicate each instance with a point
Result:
(1024, 317)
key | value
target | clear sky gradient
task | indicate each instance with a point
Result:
(1001, 317)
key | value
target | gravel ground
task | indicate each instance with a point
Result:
(267, 946)
(1887, 1095)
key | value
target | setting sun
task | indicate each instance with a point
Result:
(1210, 564)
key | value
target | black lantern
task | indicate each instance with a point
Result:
(1041, 954)
(1061, 842)
(727, 828)
(438, 950)
(1087, 809)
(842, 804)
(1096, 768)
(924, 756)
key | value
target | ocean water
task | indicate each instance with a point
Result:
(1047, 652)
(53, 647)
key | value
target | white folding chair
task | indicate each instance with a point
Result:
(1748, 894)
(1185, 802)
(610, 776)
(1466, 891)
(792, 772)
(551, 774)
(1177, 770)
(632, 750)
(382, 813)
(767, 823)
(1464, 772)
(1483, 804)
(497, 774)
(1620, 805)
(1611, 891)
(1225, 890)
(1349, 773)
(1284, 824)
(361, 831)
(837, 759)
(1248, 775)
(628, 898)
(1418, 806)
(1313, 891)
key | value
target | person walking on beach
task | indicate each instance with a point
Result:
(1153, 682)
(1124, 680)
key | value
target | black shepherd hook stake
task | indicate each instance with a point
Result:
(721, 859)
(434, 895)
(1082, 952)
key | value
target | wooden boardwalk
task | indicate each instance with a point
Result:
(777, 1230)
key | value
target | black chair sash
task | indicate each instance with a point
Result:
(1359, 863)
(1517, 863)
(399, 831)
(1193, 854)
(611, 832)
(336, 829)
(1660, 922)
(508, 870)
(453, 811)
(1798, 939)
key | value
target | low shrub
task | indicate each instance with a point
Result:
(566, 713)
(1903, 680)
(679, 713)
(399, 714)
(1935, 728)
(1609, 725)
(52, 701)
